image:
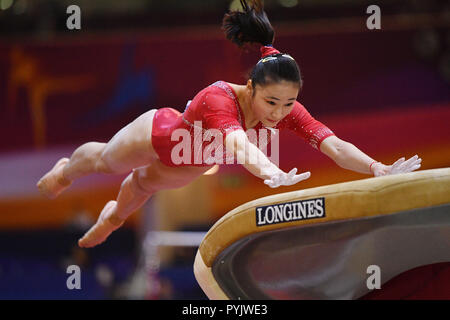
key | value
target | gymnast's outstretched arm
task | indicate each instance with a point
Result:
(348, 156)
(256, 162)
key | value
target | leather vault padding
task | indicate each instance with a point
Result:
(331, 260)
(343, 201)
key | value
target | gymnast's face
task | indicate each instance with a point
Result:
(272, 102)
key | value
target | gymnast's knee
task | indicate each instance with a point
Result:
(102, 164)
(137, 184)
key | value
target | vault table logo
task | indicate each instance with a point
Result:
(290, 211)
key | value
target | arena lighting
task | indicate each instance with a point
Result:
(288, 3)
(5, 4)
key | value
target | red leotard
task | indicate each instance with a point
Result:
(217, 107)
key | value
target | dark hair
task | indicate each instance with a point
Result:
(252, 26)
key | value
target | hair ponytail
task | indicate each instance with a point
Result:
(253, 26)
(249, 26)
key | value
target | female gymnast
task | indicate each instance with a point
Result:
(268, 99)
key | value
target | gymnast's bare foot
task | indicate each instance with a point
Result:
(107, 222)
(53, 183)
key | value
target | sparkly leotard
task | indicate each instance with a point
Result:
(217, 107)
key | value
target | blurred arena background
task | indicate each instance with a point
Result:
(386, 91)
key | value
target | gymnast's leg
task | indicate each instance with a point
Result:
(129, 148)
(135, 190)
(131, 197)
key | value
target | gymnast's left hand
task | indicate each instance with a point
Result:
(399, 166)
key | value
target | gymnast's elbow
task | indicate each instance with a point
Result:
(335, 149)
(246, 153)
(236, 141)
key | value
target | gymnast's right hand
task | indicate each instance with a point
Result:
(107, 222)
(286, 179)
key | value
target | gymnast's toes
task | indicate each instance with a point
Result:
(53, 183)
(102, 228)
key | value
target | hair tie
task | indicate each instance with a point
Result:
(268, 50)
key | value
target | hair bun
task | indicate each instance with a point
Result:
(268, 50)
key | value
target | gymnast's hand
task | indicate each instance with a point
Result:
(107, 222)
(286, 179)
(399, 166)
